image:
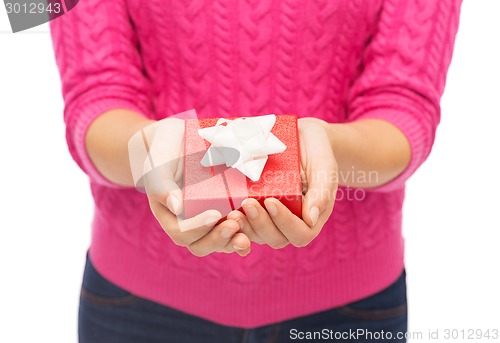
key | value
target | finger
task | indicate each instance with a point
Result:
(161, 188)
(317, 203)
(292, 227)
(239, 243)
(244, 252)
(184, 232)
(263, 225)
(215, 240)
(303, 180)
(245, 226)
(206, 219)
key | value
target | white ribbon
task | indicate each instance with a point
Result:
(243, 143)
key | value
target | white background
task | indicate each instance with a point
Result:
(451, 222)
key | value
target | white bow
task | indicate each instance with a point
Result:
(243, 143)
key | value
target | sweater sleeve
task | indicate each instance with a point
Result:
(404, 72)
(101, 69)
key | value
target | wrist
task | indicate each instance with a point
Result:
(106, 143)
(367, 148)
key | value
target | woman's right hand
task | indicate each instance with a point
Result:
(162, 183)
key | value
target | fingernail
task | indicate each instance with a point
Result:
(250, 210)
(211, 221)
(233, 215)
(271, 208)
(235, 247)
(173, 203)
(226, 233)
(314, 214)
(241, 223)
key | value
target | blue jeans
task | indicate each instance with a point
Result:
(109, 314)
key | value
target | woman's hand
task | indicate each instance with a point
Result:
(165, 142)
(276, 225)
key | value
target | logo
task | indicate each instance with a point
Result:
(24, 14)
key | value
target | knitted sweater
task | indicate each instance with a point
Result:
(338, 60)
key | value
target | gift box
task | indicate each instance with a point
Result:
(224, 187)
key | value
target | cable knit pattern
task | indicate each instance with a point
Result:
(338, 60)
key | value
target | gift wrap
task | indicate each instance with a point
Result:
(229, 160)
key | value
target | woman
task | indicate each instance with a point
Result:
(365, 78)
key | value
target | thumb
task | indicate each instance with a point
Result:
(320, 169)
(165, 157)
(161, 187)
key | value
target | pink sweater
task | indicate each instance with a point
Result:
(338, 60)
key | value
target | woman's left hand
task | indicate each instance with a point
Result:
(275, 225)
